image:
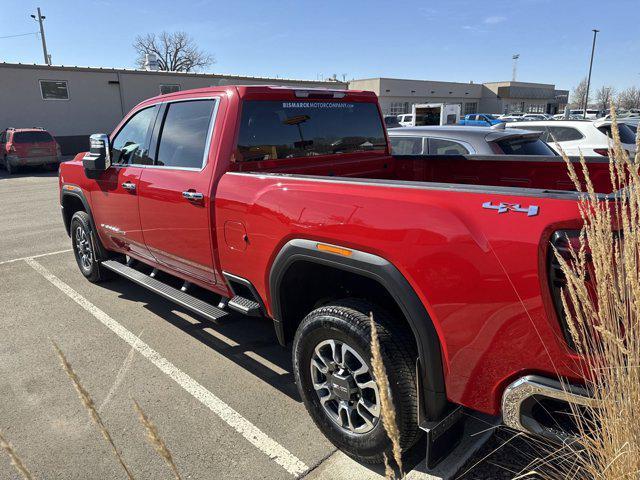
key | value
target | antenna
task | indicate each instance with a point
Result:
(514, 73)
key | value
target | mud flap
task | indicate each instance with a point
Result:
(442, 436)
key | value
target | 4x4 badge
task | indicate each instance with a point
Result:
(503, 207)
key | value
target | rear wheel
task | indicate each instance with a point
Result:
(83, 242)
(10, 168)
(332, 366)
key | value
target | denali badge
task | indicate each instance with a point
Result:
(503, 207)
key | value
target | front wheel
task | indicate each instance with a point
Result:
(332, 366)
(84, 247)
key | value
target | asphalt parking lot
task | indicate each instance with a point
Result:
(221, 394)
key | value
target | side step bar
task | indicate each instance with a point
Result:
(245, 306)
(183, 299)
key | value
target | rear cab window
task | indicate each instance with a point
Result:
(285, 129)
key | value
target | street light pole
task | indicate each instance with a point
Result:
(39, 19)
(586, 95)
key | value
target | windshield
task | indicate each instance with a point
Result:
(32, 137)
(525, 146)
(627, 135)
(272, 130)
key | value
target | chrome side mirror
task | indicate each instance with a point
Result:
(98, 158)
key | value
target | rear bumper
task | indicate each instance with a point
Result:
(32, 161)
(520, 396)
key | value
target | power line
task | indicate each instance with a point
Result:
(20, 35)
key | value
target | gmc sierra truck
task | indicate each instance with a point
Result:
(287, 204)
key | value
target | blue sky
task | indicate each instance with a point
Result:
(437, 40)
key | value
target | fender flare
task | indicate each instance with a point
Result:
(75, 191)
(386, 274)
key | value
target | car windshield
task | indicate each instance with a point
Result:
(525, 146)
(627, 135)
(272, 130)
(32, 137)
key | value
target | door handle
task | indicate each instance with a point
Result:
(189, 195)
(129, 186)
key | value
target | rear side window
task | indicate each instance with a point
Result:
(439, 146)
(184, 134)
(32, 137)
(525, 146)
(564, 134)
(271, 130)
(627, 135)
(406, 145)
(131, 143)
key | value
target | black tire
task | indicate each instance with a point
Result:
(84, 248)
(347, 321)
(10, 168)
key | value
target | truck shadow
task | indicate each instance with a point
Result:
(236, 337)
(28, 172)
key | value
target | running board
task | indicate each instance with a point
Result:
(245, 306)
(183, 299)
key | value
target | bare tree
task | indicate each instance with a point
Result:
(578, 93)
(604, 96)
(629, 98)
(175, 52)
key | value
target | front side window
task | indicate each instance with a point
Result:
(406, 145)
(184, 134)
(54, 90)
(131, 143)
(438, 146)
(271, 130)
(627, 135)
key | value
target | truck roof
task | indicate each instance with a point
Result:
(275, 92)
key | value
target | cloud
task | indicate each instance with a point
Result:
(493, 20)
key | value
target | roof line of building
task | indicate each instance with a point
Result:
(159, 72)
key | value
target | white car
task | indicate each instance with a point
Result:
(592, 138)
(406, 120)
(592, 114)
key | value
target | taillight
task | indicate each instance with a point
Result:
(602, 151)
(12, 149)
(564, 241)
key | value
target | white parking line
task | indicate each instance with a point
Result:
(249, 431)
(13, 260)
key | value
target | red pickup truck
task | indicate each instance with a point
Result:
(287, 204)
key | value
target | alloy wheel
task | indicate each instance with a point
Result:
(345, 386)
(84, 251)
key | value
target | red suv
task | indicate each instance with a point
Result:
(27, 146)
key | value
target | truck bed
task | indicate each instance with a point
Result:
(527, 172)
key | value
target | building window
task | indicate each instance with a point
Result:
(535, 108)
(471, 107)
(398, 108)
(54, 90)
(169, 88)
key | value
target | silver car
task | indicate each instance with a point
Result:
(461, 140)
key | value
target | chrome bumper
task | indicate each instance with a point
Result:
(528, 389)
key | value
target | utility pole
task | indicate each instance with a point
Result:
(586, 95)
(39, 19)
(515, 58)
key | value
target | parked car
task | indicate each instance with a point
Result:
(28, 147)
(480, 120)
(592, 114)
(536, 116)
(460, 140)
(579, 136)
(296, 211)
(391, 121)
(405, 119)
